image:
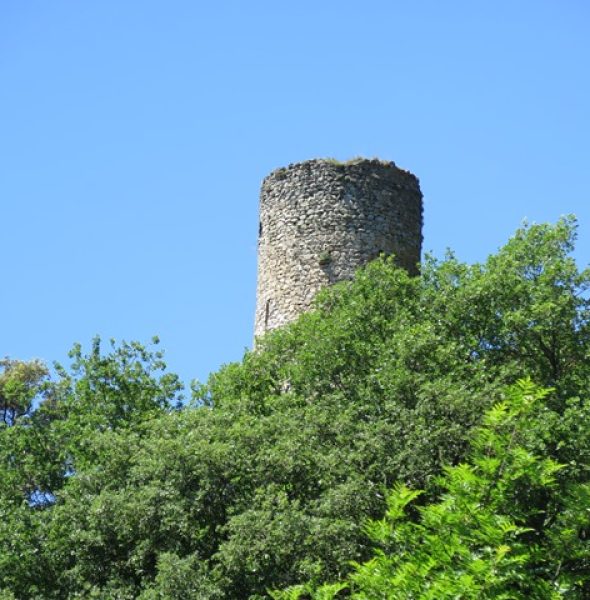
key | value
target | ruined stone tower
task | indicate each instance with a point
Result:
(320, 220)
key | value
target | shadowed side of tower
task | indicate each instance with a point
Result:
(321, 220)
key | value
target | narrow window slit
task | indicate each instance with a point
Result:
(266, 314)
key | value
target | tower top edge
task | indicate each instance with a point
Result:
(357, 164)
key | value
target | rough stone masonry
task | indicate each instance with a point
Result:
(320, 220)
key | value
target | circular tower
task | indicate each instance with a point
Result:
(320, 220)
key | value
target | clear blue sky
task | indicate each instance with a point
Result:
(134, 136)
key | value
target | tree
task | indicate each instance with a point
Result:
(20, 382)
(482, 538)
(266, 479)
(50, 445)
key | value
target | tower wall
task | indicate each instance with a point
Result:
(321, 220)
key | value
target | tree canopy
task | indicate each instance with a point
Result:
(503, 527)
(111, 488)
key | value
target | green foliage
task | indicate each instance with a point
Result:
(20, 382)
(265, 480)
(71, 436)
(181, 578)
(483, 537)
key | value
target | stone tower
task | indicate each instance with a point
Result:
(320, 220)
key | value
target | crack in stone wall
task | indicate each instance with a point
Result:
(321, 220)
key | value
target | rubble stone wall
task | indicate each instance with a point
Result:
(320, 220)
